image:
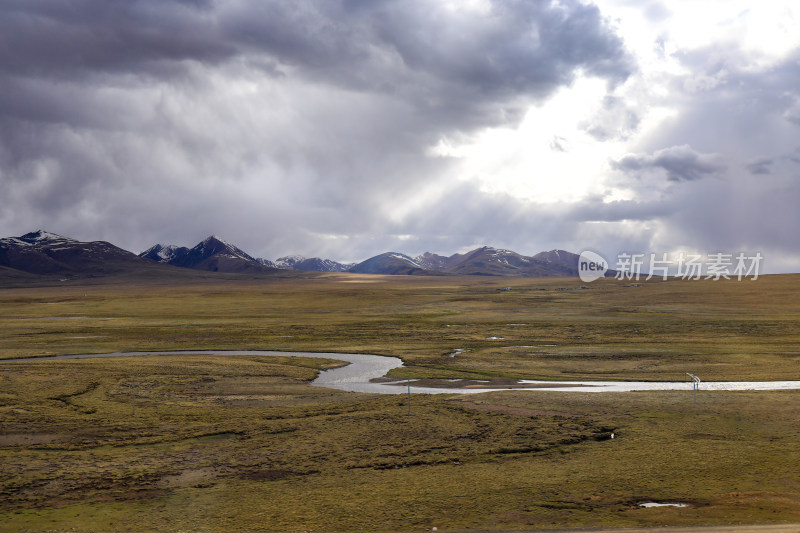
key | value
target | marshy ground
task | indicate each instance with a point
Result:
(244, 443)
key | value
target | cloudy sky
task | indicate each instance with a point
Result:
(346, 128)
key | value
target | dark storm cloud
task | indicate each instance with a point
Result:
(55, 39)
(437, 59)
(760, 166)
(681, 163)
(520, 47)
(765, 165)
(276, 124)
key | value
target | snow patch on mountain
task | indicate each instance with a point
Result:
(164, 253)
(288, 262)
(267, 263)
(405, 258)
(44, 237)
(167, 252)
(214, 245)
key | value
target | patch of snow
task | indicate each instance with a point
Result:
(41, 235)
(458, 351)
(405, 258)
(495, 338)
(229, 249)
(288, 262)
(500, 251)
(166, 252)
(267, 263)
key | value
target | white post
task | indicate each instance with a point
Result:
(695, 384)
(408, 383)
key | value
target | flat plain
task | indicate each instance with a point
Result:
(244, 443)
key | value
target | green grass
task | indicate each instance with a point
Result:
(241, 443)
(244, 443)
(611, 330)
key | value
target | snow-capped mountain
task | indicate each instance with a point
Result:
(43, 252)
(434, 262)
(220, 256)
(42, 237)
(288, 262)
(212, 254)
(390, 263)
(164, 254)
(211, 248)
(488, 261)
(484, 261)
(313, 264)
(266, 263)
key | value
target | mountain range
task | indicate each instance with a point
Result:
(213, 254)
(45, 253)
(217, 255)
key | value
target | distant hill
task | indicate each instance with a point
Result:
(314, 264)
(14, 275)
(559, 260)
(41, 252)
(484, 261)
(212, 254)
(216, 255)
(390, 263)
(488, 261)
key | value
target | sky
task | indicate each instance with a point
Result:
(346, 128)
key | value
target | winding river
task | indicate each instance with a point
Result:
(357, 376)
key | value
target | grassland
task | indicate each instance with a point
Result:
(539, 329)
(243, 443)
